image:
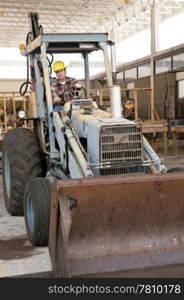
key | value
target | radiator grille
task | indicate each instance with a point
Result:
(121, 148)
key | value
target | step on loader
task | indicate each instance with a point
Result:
(94, 189)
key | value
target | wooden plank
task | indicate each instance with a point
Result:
(152, 107)
(175, 131)
(175, 142)
(5, 113)
(155, 127)
(165, 142)
(101, 97)
(14, 111)
(136, 105)
(24, 108)
(179, 129)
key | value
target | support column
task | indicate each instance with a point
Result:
(113, 61)
(154, 24)
(108, 67)
(48, 98)
(86, 71)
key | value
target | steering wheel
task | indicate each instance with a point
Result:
(74, 93)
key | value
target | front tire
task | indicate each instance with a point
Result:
(37, 199)
(21, 160)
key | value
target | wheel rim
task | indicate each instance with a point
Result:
(7, 175)
(30, 213)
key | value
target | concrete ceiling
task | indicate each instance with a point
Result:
(122, 17)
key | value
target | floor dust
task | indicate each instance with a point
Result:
(15, 248)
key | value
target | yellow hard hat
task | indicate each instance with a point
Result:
(58, 66)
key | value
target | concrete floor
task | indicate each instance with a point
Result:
(19, 258)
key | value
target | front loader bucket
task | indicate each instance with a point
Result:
(114, 223)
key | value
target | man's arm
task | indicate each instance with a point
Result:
(54, 93)
(74, 83)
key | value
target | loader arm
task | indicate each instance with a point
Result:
(77, 164)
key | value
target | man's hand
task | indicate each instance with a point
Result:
(77, 86)
(57, 100)
(67, 96)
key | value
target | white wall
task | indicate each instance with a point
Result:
(10, 85)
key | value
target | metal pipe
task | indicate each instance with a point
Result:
(86, 70)
(78, 154)
(153, 156)
(115, 100)
(113, 61)
(108, 67)
(56, 172)
(154, 44)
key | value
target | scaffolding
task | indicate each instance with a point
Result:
(10, 105)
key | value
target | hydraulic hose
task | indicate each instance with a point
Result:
(24, 86)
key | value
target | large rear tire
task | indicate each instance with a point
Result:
(21, 160)
(37, 199)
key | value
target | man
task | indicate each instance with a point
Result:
(62, 84)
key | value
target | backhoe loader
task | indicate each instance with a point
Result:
(89, 184)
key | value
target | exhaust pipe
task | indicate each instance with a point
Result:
(115, 100)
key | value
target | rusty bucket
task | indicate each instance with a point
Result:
(114, 223)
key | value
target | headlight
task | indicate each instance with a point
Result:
(21, 114)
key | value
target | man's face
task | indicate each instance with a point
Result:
(61, 75)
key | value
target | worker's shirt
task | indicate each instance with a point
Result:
(58, 87)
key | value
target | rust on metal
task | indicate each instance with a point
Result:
(118, 222)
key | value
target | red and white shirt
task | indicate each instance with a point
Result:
(58, 87)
